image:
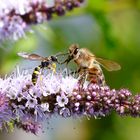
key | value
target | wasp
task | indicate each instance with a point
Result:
(89, 66)
(46, 62)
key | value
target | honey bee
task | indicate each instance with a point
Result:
(89, 66)
(46, 62)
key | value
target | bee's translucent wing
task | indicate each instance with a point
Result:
(30, 56)
(108, 64)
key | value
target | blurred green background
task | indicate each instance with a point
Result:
(110, 29)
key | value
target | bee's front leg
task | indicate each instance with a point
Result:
(82, 77)
(75, 72)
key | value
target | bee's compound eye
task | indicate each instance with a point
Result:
(75, 51)
(53, 58)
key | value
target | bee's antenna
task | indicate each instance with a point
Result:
(60, 54)
(64, 61)
(67, 60)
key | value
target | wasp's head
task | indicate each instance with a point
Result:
(54, 58)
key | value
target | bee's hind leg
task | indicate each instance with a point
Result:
(83, 78)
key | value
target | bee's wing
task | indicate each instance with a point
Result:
(108, 64)
(30, 56)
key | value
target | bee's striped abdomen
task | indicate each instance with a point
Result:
(95, 75)
(35, 74)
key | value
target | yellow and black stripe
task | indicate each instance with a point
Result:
(35, 74)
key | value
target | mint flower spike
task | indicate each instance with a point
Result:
(28, 106)
(17, 15)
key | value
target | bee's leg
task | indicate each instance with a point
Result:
(103, 82)
(83, 78)
(100, 79)
(67, 70)
(74, 72)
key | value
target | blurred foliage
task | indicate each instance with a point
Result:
(110, 29)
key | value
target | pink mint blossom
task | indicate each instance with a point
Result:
(61, 95)
(16, 16)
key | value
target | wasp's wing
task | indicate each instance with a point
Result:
(108, 64)
(30, 56)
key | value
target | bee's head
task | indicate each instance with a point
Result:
(73, 49)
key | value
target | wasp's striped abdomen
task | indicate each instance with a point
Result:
(35, 74)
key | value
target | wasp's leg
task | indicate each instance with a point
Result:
(41, 80)
(53, 67)
(41, 77)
